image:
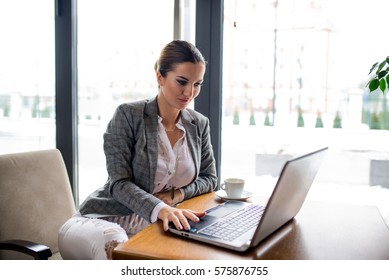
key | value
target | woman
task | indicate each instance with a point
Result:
(158, 153)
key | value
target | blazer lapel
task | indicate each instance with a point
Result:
(192, 137)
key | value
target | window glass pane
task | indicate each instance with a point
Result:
(27, 92)
(294, 79)
(118, 44)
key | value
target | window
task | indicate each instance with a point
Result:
(27, 116)
(118, 44)
(294, 79)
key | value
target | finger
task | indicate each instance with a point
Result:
(179, 219)
(165, 224)
(195, 216)
(200, 214)
(184, 221)
(187, 214)
(177, 222)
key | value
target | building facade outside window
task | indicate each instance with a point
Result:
(294, 77)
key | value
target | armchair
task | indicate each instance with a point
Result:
(35, 200)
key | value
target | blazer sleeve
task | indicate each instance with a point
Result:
(125, 150)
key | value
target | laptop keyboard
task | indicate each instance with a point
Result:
(237, 224)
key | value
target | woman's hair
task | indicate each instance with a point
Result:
(176, 52)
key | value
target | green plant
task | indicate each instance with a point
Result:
(380, 78)
(35, 107)
(374, 121)
(337, 121)
(300, 118)
(267, 119)
(235, 120)
(252, 118)
(6, 110)
(319, 121)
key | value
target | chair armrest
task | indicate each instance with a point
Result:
(38, 251)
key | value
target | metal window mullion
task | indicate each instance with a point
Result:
(209, 40)
(66, 87)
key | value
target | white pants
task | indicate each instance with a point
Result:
(82, 238)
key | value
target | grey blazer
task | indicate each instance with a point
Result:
(131, 150)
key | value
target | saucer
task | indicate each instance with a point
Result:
(245, 195)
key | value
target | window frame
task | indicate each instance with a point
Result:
(209, 38)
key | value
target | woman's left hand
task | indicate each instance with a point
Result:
(169, 198)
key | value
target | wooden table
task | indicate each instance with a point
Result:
(320, 231)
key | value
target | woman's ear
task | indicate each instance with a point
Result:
(160, 78)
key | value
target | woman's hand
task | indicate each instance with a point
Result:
(179, 217)
(169, 198)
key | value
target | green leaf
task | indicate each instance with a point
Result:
(382, 85)
(382, 74)
(382, 64)
(374, 84)
(387, 80)
(373, 67)
(387, 59)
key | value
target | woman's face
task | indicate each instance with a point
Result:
(181, 85)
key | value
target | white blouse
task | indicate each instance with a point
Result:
(175, 167)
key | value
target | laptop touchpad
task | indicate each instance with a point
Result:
(216, 212)
(225, 209)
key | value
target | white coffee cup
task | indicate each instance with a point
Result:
(233, 187)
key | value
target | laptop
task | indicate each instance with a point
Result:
(239, 225)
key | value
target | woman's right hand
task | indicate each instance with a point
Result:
(179, 217)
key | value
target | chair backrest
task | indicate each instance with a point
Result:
(35, 198)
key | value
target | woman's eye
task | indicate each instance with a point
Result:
(182, 82)
(198, 84)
